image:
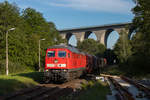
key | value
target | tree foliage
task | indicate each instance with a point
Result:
(92, 47)
(141, 41)
(23, 42)
(136, 54)
(110, 56)
(141, 24)
(123, 47)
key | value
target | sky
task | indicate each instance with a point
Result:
(81, 13)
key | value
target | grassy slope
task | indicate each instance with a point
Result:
(16, 82)
(94, 91)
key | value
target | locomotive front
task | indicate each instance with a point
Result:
(64, 62)
(55, 64)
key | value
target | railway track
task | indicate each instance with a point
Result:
(141, 87)
(127, 89)
(123, 93)
(47, 91)
(41, 93)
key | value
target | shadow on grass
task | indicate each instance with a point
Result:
(36, 76)
(8, 86)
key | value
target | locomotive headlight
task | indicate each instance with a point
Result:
(61, 65)
(50, 65)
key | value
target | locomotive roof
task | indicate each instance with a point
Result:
(71, 48)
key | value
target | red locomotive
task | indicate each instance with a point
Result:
(64, 62)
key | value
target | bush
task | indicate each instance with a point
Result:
(113, 70)
(14, 67)
(94, 90)
(138, 65)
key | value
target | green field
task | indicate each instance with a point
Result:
(15, 82)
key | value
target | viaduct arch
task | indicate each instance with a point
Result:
(102, 32)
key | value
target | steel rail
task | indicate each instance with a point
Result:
(123, 93)
(141, 87)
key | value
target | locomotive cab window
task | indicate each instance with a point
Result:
(61, 53)
(51, 54)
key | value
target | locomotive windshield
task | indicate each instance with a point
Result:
(51, 54)
(61, 53)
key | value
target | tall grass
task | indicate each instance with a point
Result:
(94, 91)
(14, 67)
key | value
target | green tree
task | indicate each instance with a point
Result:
(39, 28)
(23, 42)
(90, 46)
(110, 56)
(123, 47)
(141, 24)
(141, 41)
(10, 17)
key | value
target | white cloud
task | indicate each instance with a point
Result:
(117, 6)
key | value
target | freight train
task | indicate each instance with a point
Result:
(63, 62)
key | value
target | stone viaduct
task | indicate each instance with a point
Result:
(102, 32)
